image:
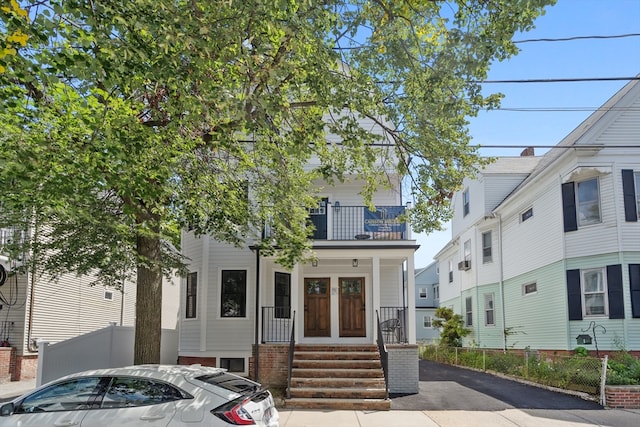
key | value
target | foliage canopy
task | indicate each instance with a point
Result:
(124, 122)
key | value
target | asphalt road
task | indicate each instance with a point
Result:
(445, 387)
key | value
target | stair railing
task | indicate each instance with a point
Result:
(384, 356)
(292, 346)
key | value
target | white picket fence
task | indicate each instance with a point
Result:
(110, 347)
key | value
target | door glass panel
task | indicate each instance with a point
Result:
(316, 287)
(351, 287)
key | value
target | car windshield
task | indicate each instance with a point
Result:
(231, 383)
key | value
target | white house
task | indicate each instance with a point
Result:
(545, 251)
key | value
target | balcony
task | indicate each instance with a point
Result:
(336, 222)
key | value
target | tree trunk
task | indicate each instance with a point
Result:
(148, 302)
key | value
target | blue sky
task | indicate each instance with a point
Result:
(589, 58)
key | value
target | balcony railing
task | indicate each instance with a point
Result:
(336, 222)
(393, 324)
(276, 324)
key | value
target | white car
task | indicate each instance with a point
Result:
(145, 395)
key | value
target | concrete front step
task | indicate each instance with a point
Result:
(339, 404)
(366, 383)
(336, 373)
(334, 348)
(338, 393)
(336, 355)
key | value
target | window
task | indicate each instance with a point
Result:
(426, 322)
(127, 392)
(596, 292)
(529, 288)
(70, 395)
(465, 202)
(192, 294)
(436, 292)
(631, 194)
(234, 293)
(594, 295)
(588, 202)
(108, 295)
(486, 247)
(282, 296)
(634, 287)
(232, 364)
(526, 215)
(469, 311)
(450, 271)
(422, 293)
(467, 251)
(489, 311)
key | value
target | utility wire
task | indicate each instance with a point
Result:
(566, 39)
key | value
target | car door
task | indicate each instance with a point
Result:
(135, 401)
(62, 404)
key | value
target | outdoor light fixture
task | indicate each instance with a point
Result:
(336, 206)
(354, 262)
(314, 263)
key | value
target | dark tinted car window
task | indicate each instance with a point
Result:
(231, 383)
(129, 391)
(69, 395)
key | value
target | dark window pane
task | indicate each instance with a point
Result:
(234, 293)
(67, 396)
(125, 392)
(283, 295)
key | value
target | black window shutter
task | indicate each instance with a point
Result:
(634, 284)
(614, 289)
(569, 207)
(574, 295)
(629, 195)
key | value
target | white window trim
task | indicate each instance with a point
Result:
(580, 221)
(521, 216)
(110, 293)
(425, 321)
(489, 259)
(604, 291)
(493, 309)
(426, 294)
(524, 288)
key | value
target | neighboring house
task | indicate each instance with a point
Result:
(239, 307)
(427, 297)
(547, 248)
(34, 308)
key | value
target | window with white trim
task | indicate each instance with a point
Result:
(450, 271)
(486, 247)
(465, 202)
(526, 215)
(233, 296)
(489, 309)
(108, 295)
(426, 322)
(191, 299)
(594, 292)
(422, 293)
(436, 292)
(529, 288)
(469, 311)
(467, 250)
(588, 202)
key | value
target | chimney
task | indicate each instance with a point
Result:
(527, 152)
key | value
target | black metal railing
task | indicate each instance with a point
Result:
(276, 324)
(384, 356)
(292, 347)
(393, 324)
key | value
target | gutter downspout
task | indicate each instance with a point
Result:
(504, 317)
(256, 362)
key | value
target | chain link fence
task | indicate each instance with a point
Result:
(578, 373)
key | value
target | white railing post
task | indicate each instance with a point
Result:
(43, 346)
(603, 381)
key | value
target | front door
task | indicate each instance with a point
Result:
(317, 310)
(318, 217)
(352, 307)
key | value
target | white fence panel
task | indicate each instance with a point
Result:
(110, 347)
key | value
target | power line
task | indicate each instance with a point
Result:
(565, 39)
(565, 80)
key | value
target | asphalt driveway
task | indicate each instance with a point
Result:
(446, 387)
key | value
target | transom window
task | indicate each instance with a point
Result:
(594, 292)
(588, 202)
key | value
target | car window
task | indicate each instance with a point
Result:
(231, 383)
(69, 395)
(129, 391)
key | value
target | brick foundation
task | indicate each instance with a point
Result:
(26, 367)
(403, 369)
(204, 361)
(7, 363)
(273, 366)
(622, 396)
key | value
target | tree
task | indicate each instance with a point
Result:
(124, 122)
(452, 325)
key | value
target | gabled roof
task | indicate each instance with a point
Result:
(575, 138)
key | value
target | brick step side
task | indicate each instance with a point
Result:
(337, 364)
(336, 373)
(338, 393)
(339, 404)
(335, 355)
(367, 383)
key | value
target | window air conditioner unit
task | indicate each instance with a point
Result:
(464, 265)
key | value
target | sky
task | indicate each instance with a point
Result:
(582, 58)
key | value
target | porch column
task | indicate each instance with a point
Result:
(411, 301)
(329, 212)
(375, 293)
(296, 304)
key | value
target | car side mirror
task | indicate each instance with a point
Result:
(7, 409)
